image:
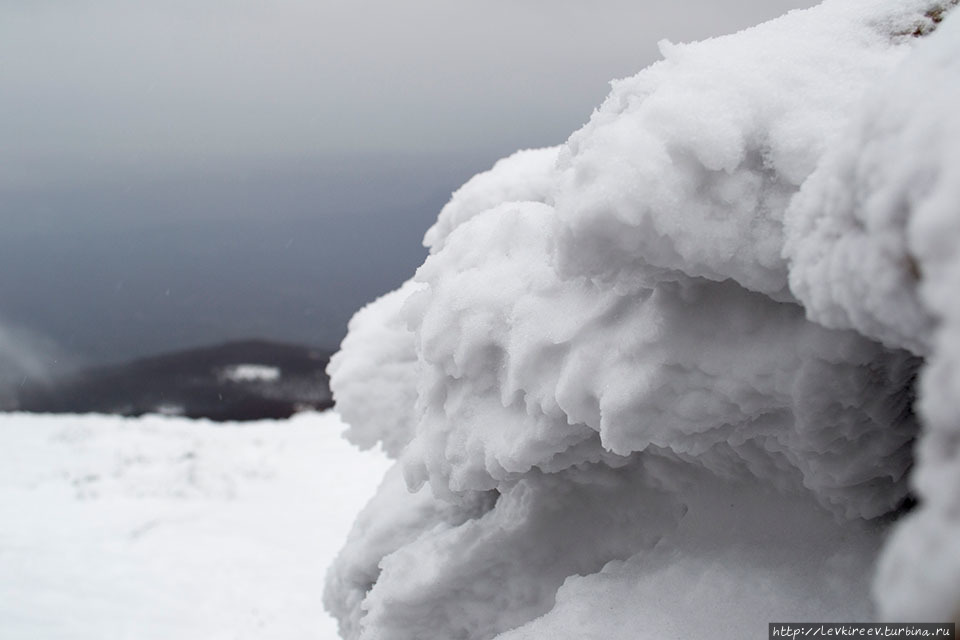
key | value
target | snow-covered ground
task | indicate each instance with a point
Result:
(171, 529)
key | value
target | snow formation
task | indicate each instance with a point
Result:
(659, 381)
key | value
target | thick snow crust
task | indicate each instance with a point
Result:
(659, 382)
(163, 528)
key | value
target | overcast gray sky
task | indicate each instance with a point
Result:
(90, 86)
(181, 172)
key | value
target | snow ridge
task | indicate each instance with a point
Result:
(641, 374)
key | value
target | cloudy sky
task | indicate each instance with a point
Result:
(177, 172)
(101, 83)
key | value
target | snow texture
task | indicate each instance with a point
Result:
(659, 382)
(874, 243)
(375, 375)
(157, 528)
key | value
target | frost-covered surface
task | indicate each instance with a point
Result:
(168, 528)
(526, 176)
(658, 382)
(877, 248)
(375, 374)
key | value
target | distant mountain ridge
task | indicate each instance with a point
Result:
(243, 380)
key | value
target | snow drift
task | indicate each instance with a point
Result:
(659, 381)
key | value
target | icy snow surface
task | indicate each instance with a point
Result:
(167, 528)
(658, 382)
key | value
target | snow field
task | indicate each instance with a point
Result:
(163, 528)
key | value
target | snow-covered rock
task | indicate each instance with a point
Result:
(659, 382)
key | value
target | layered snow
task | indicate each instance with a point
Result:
(165, 528)
(659, 382)
(875, 247)
(375, 374)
